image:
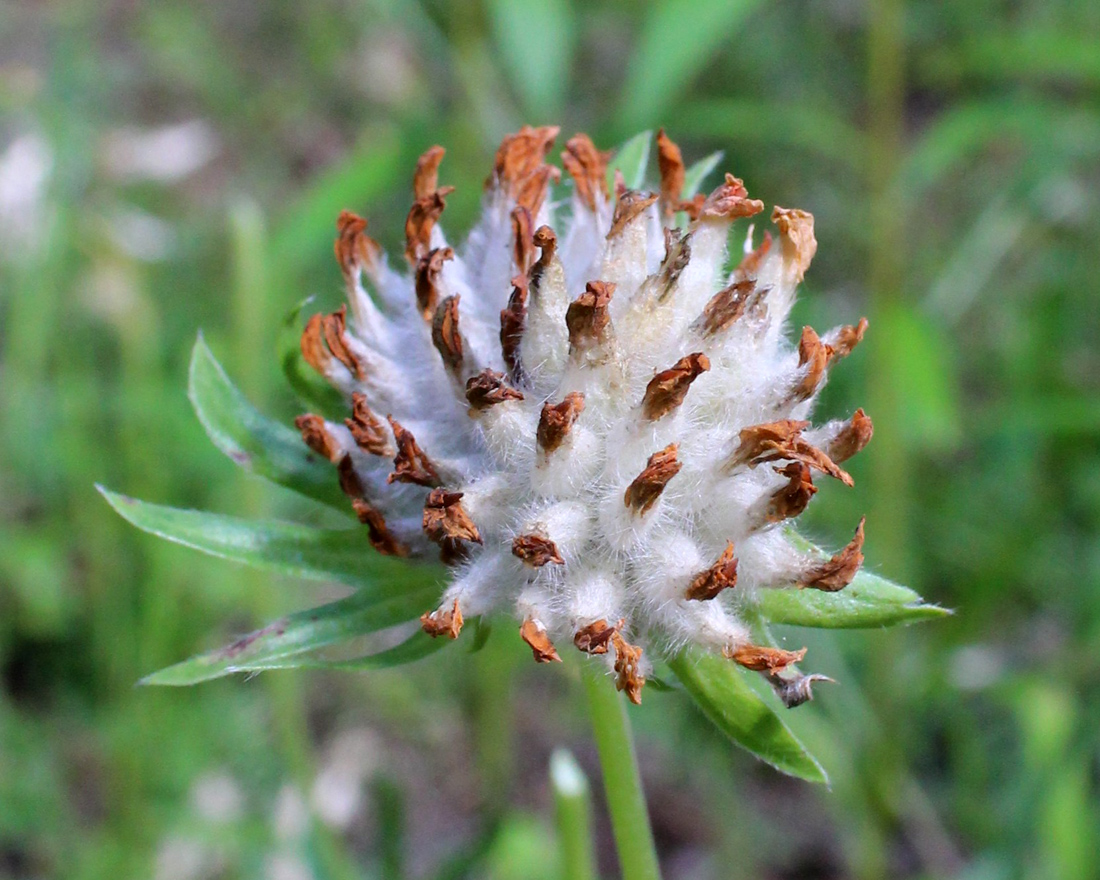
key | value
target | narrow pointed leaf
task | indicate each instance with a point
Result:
(416, 647)
(321, 554)
(721, 691)
(310, 388)
(258, 444)
(280, 644)
(631, 159)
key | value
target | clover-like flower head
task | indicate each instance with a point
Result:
(589, 411)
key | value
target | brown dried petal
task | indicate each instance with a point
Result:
(852, 437)
(836, 573)
(647, 487)
(556, 420)
(539, 642)
(749, 266)
(520, 155)
(729, 201)
(814, 356)
(426, 176)
(671, 164)
(763, 659)
(379, 534)
(446, 519)
(588, 317)
(847, 339)
(512, 322)
(587, 166)
(531, 193)
(334, 327)
(445, 336)
(628, 206)
(720, 576)
(314, 350)
(354, 248)
(366, 427)
(487, 389)
(317, 438)
(443, 622)
(759, 440)
(420, 222)
(629, 678)
(796, 232)
(793, 498)
(727, 306)
(677, 257)
(667, 390)
(594, 638)
(350, 484)
(428, 269)
(545, 239)
(536, 550)
(523, 244)
(411, 464)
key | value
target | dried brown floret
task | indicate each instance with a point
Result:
(852, 437)
(837, 572)
(647, 487)
(677, 257)
(588, 317)
(379, 534)
(587, 166)
(628, 673)
(795, 691)
(487, 389)
(531, 193)
(726, 307)
(350, 484)
(523, 243)
(749, 266)
(519, 156)
(667, 390)
(426, 176)
(334, 327)
(411, 464)
(628, 206)
(545, 239)
(814, 356)
(354, 248)
(762, 659)
(774, 441)
(793, 498)
(445, 336)
(796, 232)
(536, 550)
(443, 622)
(534, 633)
(556, 420)
(847, 339)
(513, 319)
(367, 428)
(720, 576)
(428, 269)
(317, 437)
(594, 638)
(446, 519)
(729, 201)
(670, 162)
(420, 222)
(314, 350)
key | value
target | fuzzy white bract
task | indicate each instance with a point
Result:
(596, 421)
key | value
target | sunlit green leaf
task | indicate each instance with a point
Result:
(310, 388)
(255, 442)
(538, 68)
(631, 159)
(720, 689)
(303, 551)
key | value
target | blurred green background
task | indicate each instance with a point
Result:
(168, 166)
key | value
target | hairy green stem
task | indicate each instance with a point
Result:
(621, 780)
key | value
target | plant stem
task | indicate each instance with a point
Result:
(573, 810)
(621, 780)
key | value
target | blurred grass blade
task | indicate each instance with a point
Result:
(573, 815)
(310, 388)
(631, 159)
(299, 633)
(697, 173)
(679, 38)
(535, 43)
(719, 688)
(303, 551)
(258, 444)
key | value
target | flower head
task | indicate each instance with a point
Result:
(594, 420)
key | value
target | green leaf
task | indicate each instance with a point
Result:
(310, 388)
(697, 173)
(631, 159)
(720, 689)
(258, 444)
(279, 644)
(416, 647)
(342, 555)
(538, 68)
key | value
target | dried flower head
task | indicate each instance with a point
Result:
(594, 420)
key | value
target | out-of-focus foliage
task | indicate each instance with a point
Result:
(168, 166)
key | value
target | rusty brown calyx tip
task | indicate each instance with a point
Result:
(513, 320)
(520, 156)
(325, 338)
(729, 201)
(762, 659)
(556, 420)
(536, 550)
(538, 641)
(720, 576)
(588, 317)
(422, 218)
(353, 247)
(366, 428)
(773, 441)
(628, 673)
(813, 355)
(847, 338)
(749, 267)
(855, 434)
(647, 487)
(443, 622)
(838, 571)
(796, 232)
(411, 464)
(667, 390)
(629, 205)
(426, 176)
(670, 162)
(379, 534)
(488, 388)
(316, 437)
(445, 336)
(588, 168)
(727, 306)
(428, 269)
(446, 519)
(595, 637)
(794, 497)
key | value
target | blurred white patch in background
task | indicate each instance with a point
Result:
(25, 168)
(164, 154)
